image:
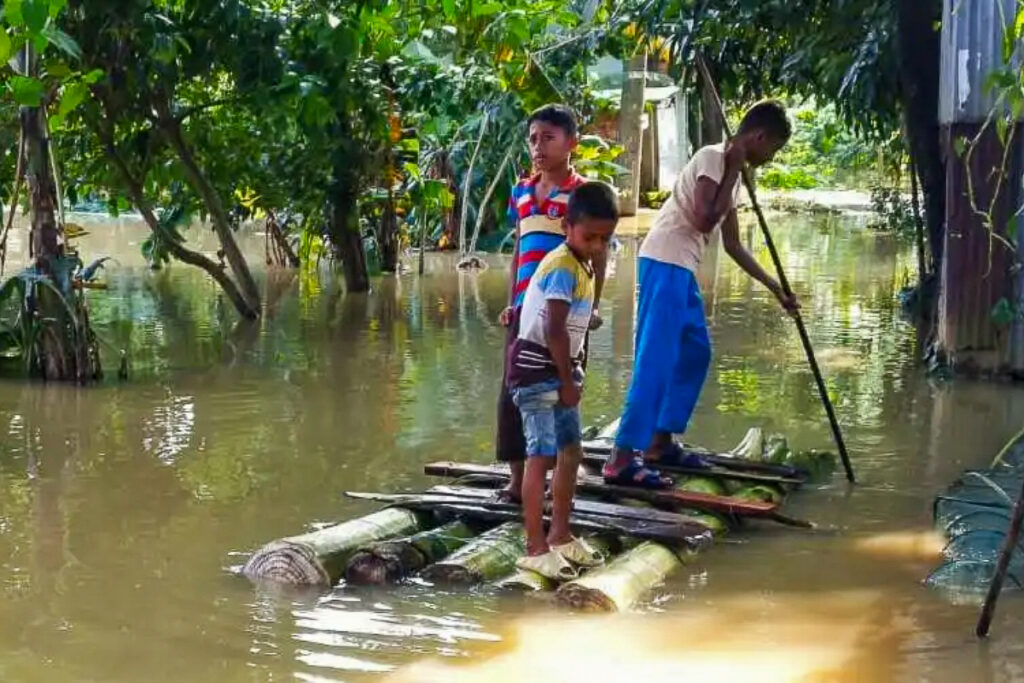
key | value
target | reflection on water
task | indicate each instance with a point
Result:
(120, 506)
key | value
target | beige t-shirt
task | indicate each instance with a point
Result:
(674, 238)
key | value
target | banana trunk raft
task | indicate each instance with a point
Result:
(463, 534)
(974, 516)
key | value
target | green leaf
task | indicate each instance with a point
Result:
(960, 146)
(63, 42)
(5, 47)
(71, 98)
(12, 10)
(27, 92)
(94, 76)
(449, 8)
(486, 9)
(1002, 313)
(56, 6)
(36, 14)
(1001, 129)
(412, 170)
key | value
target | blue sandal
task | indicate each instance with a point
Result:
(638, 475)
(675, 456)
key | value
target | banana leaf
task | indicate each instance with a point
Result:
(706, 485)
(759, 492)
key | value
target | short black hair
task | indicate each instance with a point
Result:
(556, 115)
(770, 117)
(593, 199)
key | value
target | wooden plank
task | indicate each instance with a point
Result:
(590, 507)
(603, 447)
(596, 485)
(692, 534)
(597, 459)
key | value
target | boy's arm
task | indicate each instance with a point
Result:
(713, 199)
(600, 268)
(745, 260)
(556, 333)
(513, 270)
(506, 315)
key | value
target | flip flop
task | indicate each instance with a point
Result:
(638, 475)
(580, 553)
(550, 565)
(674, 455)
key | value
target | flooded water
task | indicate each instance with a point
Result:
(121, 506)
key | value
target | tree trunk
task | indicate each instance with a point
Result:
(631, 131)
(388, 237)
(133, 186)
(221, 223)
(65, 349)
(344, 233)
(919, 52)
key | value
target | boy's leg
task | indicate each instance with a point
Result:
(688, 374)
(537, 403)
(563, 492)
(533, 504)
(510, 442)
(563, 482)
(657, 346)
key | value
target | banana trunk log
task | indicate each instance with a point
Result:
(318, 558)
(489, 556)
(619, 585)
(391, 561)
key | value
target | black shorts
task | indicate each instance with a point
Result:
(510, 443)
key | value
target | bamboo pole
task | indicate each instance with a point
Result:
(988, 610)
(784, 281)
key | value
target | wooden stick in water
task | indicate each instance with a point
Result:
(804, 338)
(996, 587)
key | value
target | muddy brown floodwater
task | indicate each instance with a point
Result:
(121, 506)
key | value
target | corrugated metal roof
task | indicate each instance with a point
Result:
(972, 46)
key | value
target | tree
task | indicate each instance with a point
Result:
(170, 70)
(50, 323)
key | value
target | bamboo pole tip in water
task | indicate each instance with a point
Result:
(288, 563)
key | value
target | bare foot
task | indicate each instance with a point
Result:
(534, 549)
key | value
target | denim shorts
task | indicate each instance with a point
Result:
(548, 425)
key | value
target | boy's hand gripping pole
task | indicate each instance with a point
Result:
(822, 390)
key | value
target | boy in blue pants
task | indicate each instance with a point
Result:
(673, 352)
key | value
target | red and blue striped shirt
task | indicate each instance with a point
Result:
(540, 225)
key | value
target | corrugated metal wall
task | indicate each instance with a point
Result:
(972, 39)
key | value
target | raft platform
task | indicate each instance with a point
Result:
(460, 533)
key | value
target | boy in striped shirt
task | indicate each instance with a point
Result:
(537, 207)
